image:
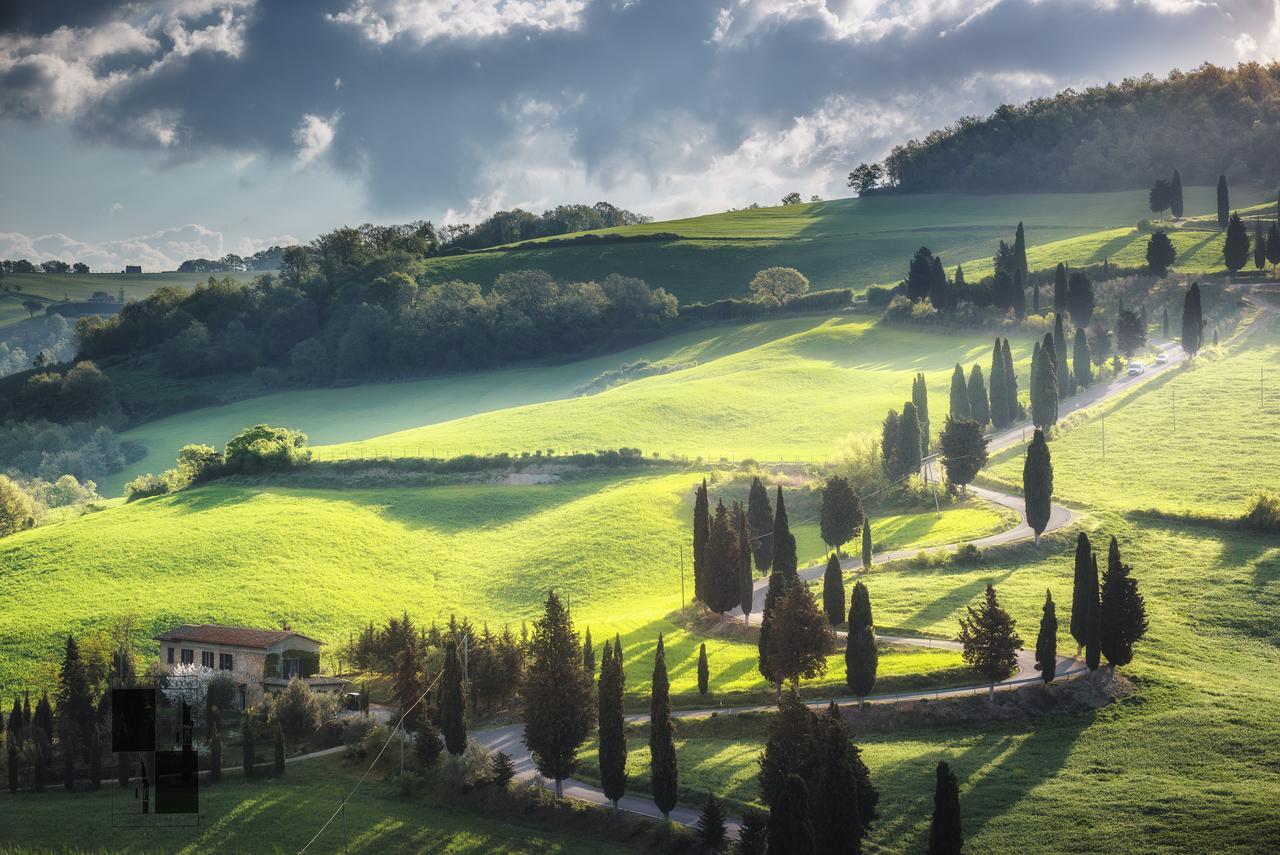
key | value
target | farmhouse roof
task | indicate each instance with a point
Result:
(234, 636)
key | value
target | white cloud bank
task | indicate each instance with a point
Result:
(159, 251)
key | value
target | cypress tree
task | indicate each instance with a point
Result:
(1037, 484)
(1093, 620)
(945, 834)
(712, 832)
(721, 564)
(920, 274)
(75, 699)
(979, 407)
(1080, 359)
(1235, 249)
(69, 739)
(1192, 321)
(1020, 251)
(664, 775)
(860, 607)
(588, 655)
(753, 835)
(1011, 381)
(1063, 364)
(845, 800)
(15, 718)
(777, 588)
(1084, 586)
(558, 713)
(866, 543)
(453, 710)
(958, 285)
(502, 769)
(746, 580)
(249, 754)
(920, 398)
(1259, 246)
(1123, 611)
(861, 659)
(833, 591)
(43, 717)
(889, 445)
(1060, 289)
(40, 761)
(1080, 299)
(1047, 641)
(990, 645)
(938, 286)
(760, 526)
(1224, 202)
(800, 638)
(908, 450)
(613, 729)
(1044, 385)
(840, 513)
(784, 542)
(704, 671)
(279, 758)
(790, 822)
(1175, 195)
(959, 408)
(701, 532)
(1273, 245)
(215, 752)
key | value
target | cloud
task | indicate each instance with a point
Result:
(117, 207)
(157, 251)
(313, 137)
(382, 21)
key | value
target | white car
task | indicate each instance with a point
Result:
(1162, 359)
(1136, 368)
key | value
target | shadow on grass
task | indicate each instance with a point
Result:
(954, 601)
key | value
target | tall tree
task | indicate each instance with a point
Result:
(789, 756)
(1011, 382)
(704, 669)
(1175, 195)
(1259, 245)
(588, 655)
(721, 591)
(958, 285)
(889, 458)
(919, 274)
(841, 512)
(1020, 251)
(558, 713)
(1080, 360)
(1160, 197)
(1235, 249)
(777, 588)
(959, 404)
(1083, 588)
(701, 532)
(844, 804)
(75, 698)
(1093, 621)
(999, 389)
(861, 655)
(663, 774)
(979, 407)
(1080, 300)
(613, 728)
(866, 543)
(938, 288)
(1224, 202)
(712, 833)
(760, 525)
(1044, 385)
(945, 834)
(833, 591)
(790, 821)
(453, 706)
(964, 451)
(989, 643)
(1130, 333)
(1124, 613)
(1066, 385)
(920, 398)
(1192, 321)
(860, 606)
(784, 542)
(1273, 245)
(1037, 484)
(1060, 289)
(746, 579)
(908, 450)
(1047, 641)
(799, 637)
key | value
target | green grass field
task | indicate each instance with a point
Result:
(844, 243)
(73, 286)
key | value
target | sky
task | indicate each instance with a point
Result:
(151, 131)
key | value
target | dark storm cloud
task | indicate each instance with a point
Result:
(631, 92)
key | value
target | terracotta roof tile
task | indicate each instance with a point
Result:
(237, 636)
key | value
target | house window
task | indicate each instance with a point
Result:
(188, 656)
(292, 668)
(206, 658)
(224, 661)
(170, 655)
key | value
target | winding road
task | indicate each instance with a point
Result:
(511, 738)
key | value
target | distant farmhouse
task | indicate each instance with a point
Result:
(133, 268)
(260, 660)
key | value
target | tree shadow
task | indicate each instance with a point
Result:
(952, 602)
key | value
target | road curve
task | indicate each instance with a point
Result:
(511, 737)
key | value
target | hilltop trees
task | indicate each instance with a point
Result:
(979, 406)
(964, 450)
(774, 286)
(1235, 249)
(1192, 321)
(990, 645)
(1160, 253)
(760, 525)
(1037, 484)
(1047, 641)
(959, 404)
(841, 512)
(833, 591)
(861, 656)
(945, 834)
(1224, 202)
(663, 773)
(1123, 612)
(558, 713)
(1084, 589)
(613, 729)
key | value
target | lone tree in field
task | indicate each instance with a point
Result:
(1160, 197)
(1175, 195)
(746, 579)
(959, 404)
(453, 714)
(1192, 321)
(979, 407)
(833, 591)
(774, 286)
(1224, 202)
(1044, 385)
(613, 729)
(964, 450)
(663, 775)
(558, 713)
(1080, 360)
(1037, 484)
(799, 637)
(861, 657)
(1080, 301)
(760, 525)
(704, 669)
(841, 512)
(990, 645)
(784, 543)
(701, 533)
(866, 543)
(1130, 334)
(1160, 253)
(1124, 614)
(1235, 249)
(1047, 641)
(1084, 588)
(1093, 621)
(945, 834)
(920, 398)
(908, 448)
(721, 591)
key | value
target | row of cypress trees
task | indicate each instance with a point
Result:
(1109, 616)
(1003, 379)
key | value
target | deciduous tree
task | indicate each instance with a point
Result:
(1080, 301)
(1131, 336)
(964, 450)
(841, 512)
(774, 286)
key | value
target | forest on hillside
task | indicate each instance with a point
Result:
(1205, 123)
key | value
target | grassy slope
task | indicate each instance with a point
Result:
(81, 286)
(781, 388)
(845, 243)
(329, 562)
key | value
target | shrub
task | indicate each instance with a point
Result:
(878, 296)
(16, 512)
(198, 462)
(967, 555)
(297, 711)
(263, 448)
(1263, 513)
(145, 486)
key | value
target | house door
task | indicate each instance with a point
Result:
(243, 698)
